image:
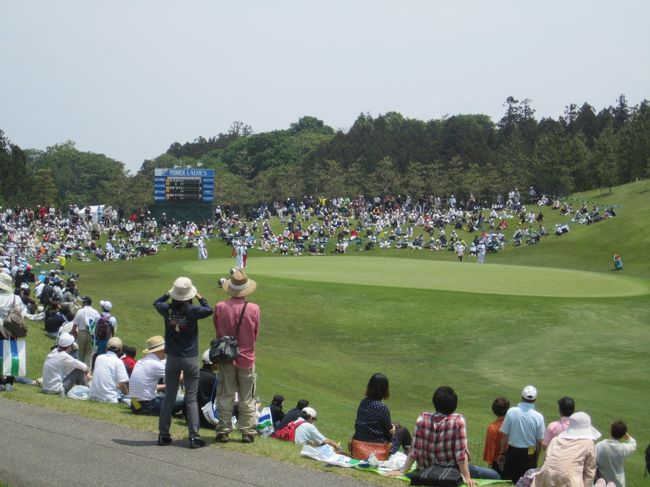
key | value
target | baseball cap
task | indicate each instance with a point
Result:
(529, 393)
(311, 412)
(65, 340)
(115, 343)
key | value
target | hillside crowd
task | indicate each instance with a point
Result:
(309, 225)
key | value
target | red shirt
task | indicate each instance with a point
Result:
(226, 316)
(439, 439)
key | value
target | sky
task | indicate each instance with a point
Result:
(128, 78)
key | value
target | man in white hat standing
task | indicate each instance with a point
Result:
(236, 317)
(523, 432)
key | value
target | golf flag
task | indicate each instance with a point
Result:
(13, 357)
(265, 423)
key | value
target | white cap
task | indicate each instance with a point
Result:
(529, 393)
(107, 305)
(206, 357)
(311, 412)
(65, 340)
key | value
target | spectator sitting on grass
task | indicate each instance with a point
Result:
(110, 380)
(308, 434)
(60, 370)
(293, 414)
(611, 453)
(567, 408)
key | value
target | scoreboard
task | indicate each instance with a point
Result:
(188, 184)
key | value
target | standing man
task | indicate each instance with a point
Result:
(523, 431)
(83, 327)
(238, 318)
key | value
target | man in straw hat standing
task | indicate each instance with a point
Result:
(145, 387)
(236, 317)
(182, 348)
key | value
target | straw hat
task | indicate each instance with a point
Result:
(239, 285)
(154, 344)
(580, 428)
(183, 289)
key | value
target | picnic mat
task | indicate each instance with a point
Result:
(326, 454)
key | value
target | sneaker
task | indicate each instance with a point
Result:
(248, 438)
(9, 387)
(197, 442)
(164, 440)
(222, 438)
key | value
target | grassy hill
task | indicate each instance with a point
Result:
(323, 340)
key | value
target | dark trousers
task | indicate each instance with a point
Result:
(518, 461)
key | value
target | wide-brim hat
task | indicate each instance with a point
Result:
(183, 289)
(6, 284)
(154, 344)
(580, 428)
(239, 285)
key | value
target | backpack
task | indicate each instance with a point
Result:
(103, 328)
(288, 433)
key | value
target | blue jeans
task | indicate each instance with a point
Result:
(153, 407)
(483, 473)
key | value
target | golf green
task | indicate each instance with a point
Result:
(435, 275)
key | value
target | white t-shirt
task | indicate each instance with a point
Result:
(85, 318)
(109, 371)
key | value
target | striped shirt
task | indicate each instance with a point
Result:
(145, 376)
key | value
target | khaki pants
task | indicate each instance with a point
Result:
(85, 343)
(241, 381)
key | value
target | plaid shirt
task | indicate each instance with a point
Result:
(439, 439)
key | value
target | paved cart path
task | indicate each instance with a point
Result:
(42, 447)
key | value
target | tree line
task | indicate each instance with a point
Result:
(389, 154)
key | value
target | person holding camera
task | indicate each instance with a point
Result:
(181, 346)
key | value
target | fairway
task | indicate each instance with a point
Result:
(435, 275)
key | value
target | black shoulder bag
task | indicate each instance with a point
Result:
(224, 350)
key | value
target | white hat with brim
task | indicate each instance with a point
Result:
(183, 289)
(239, 285)
(6, 284)
(580, 428)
